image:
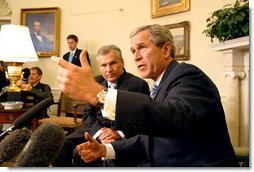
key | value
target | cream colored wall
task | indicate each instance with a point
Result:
(100, 22)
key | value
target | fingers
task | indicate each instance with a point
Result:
(89, 138)
(83, 58)
(61, 62)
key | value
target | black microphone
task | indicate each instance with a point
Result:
(13, 144)
(43, 147)
(25, 75)
(28, 116)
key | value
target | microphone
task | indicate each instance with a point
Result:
(13, 144)
(28, 116)
(43, 147)
(25, 75)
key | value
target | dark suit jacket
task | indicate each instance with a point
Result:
(38, 93)
(93, 119)
(75, 59)
(184, 126)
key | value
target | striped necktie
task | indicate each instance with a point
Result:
(153, 90)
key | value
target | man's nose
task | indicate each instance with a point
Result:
(109, 68)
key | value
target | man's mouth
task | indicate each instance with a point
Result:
(141, 67)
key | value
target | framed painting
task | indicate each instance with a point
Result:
(44, 25)
(181, 34)
(166, 7)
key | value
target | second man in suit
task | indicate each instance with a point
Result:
(113, 75)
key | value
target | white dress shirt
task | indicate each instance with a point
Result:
(109, 110)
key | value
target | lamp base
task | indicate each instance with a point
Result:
(13, 88)
(14, 71)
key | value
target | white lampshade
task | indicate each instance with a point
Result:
(16, 44)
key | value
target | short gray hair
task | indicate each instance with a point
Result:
(159, 35)
(108, 48)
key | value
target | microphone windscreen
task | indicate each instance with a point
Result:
(32, 113)
(25, 75)
(13, 144)
(43, 147)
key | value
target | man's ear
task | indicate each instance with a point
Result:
(167, 49)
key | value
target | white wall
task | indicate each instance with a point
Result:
(100, 22)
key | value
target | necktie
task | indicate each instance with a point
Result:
(153, 90)
(112, 85)
(71, 57)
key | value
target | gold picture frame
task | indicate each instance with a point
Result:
(166, 7)
(181, 34)
(44, 24)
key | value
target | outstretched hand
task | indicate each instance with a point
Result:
(78, 82)
(90, 150)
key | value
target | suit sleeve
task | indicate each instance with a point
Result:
(187, 103)
(131, 151)
(90, 120)
(45, 93)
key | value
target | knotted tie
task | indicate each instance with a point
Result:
(153, 90)
(70, 57)
(113, 86)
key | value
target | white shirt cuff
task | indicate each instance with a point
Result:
(110, 152)
(97, 134)
(110, 105)
(121, 134)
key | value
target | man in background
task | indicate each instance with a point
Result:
(73, 55)
(34, 91)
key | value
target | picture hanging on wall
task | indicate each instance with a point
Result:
(167, 7)
(181, 34)
(43, 24)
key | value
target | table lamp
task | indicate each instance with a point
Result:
(16, 48)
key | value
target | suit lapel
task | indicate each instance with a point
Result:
(122, 81)
(104, 83)
(159, 96)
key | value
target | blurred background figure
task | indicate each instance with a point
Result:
(73, 55)
(4, 81)
(34, 91)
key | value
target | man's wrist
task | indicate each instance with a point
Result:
(102, 148)
(101, 98)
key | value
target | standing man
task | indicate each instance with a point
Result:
(40, 41)
(113, 75)
(73, 55)
(182, 125)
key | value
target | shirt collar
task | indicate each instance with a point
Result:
(157, 82)
(73, 52)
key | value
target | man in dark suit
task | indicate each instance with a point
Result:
(32, 90)
(183, 125)
(73, 55)
(113, 75)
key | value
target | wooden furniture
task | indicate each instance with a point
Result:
(66, 106)
(8, 116)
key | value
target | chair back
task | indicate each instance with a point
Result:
(68, 105)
